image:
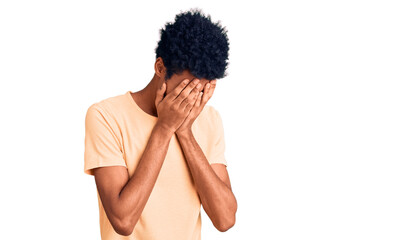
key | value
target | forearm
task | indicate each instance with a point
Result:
(217, 198)
(135, 194)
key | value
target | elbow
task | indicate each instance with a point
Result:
(123, 221)
(124, 228)
(228, 220)
(226, 224)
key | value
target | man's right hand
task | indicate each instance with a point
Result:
(174, 107)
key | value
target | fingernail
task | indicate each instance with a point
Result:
(198, 86)
(186, 81)
(196, 81)
(208, 85)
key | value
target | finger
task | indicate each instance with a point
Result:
(208, 92)
(214, 81)
(159, 93)
(175, 92)
(198, 100)
(190, 100)
(187, 90)
(190, 107)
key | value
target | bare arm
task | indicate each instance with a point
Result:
(216, 195)
(212, 181)
(124, 198)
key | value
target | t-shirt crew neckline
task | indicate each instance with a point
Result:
(138, 108)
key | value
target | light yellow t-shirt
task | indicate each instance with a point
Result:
(116, 133)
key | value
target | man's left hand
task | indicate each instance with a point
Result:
(201, 101)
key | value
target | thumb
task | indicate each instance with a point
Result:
(159, 93)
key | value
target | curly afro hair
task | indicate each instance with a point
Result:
(193, 42)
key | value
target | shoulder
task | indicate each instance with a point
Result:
(208, 112)
(108, 106)
(213, 114)
(105, 114)
(209, 117)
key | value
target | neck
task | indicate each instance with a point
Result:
(146, 97)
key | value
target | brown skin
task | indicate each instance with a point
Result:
(124, 198)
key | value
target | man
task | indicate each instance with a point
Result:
(158, 154)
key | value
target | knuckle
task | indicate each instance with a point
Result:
(173, 94)
(192, 96)
(176, 92)
(192, 84)
(184, 94)
(195, 92)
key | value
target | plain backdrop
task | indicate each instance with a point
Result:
(314, 107)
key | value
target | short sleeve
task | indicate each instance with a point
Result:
(102, 146)
(218, 145)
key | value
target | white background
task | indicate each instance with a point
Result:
(315, 111)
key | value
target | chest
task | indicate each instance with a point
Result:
(175, 169)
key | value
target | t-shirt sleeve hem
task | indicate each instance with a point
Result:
(221, 161)
(89, 170)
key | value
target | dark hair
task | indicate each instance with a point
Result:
(193, 42)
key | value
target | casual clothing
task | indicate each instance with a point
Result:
(117, 131)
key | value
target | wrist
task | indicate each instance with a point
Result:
(183, 132)
(163, 130)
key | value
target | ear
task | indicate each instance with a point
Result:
(160, 69)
